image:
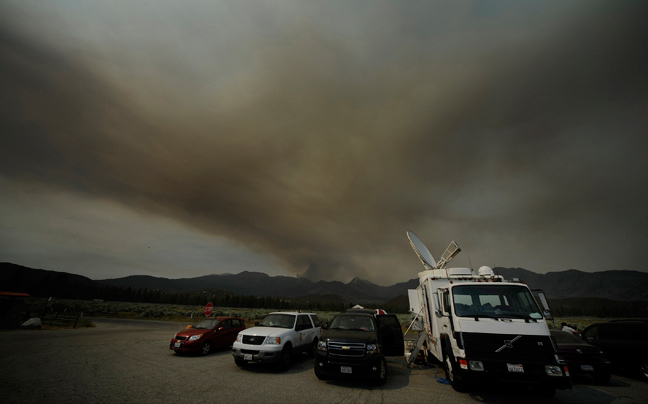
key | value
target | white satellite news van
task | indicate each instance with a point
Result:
(480, 327)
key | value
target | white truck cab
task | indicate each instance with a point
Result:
(482, 327)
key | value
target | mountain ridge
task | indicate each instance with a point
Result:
(622, 285)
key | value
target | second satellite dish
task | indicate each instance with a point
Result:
(421, 250)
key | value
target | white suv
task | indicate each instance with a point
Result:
(276, 338)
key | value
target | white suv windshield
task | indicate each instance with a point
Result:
(501, 301)
(278, 320)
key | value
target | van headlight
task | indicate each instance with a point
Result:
(372, 348)
(321, 346)
(239, 337)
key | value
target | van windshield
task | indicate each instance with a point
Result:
(495, 301)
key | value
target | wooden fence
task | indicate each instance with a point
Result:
(56, 319)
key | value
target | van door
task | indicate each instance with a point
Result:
(390, 335)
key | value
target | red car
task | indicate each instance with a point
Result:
(208, 333)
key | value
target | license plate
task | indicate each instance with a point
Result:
(515, 368)
(346, 369)
(247, 357)
(588, 368)
(177, 345)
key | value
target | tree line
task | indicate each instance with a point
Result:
(598, 307)
(60, 285)
(224, 299)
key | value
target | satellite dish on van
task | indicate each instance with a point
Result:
(421, 251)
(450, 252)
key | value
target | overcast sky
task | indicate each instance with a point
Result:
(303, 138)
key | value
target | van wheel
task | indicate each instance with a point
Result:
(381, 377)
(286, 356)
(450, 368)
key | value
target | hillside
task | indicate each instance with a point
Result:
(614, 285)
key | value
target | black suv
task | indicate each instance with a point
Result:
(355, 345)
(625, 343)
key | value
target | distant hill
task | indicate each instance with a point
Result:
(260, 284)
(43, 283)
(615, 285)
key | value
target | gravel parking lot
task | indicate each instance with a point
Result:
(128, 361)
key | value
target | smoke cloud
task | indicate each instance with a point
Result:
(317, 134)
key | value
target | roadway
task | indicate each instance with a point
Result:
(128, 361)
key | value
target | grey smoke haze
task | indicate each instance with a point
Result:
(304, 138)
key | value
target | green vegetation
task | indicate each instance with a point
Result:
(221, 298)
(576, 312)
(578, 323)
(597, 307)
(161, 311)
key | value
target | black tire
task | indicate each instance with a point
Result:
(602, 378)
(240, 362)
(643, 369)
(319, 373)
(206, 348)
(313, 349)
(450, 365)
(286, 357)
(381, 377)
(545, 391)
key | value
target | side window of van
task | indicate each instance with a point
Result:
(445, 296)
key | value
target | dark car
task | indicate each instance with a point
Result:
(582, 358)
(207, 334)
(356, 344)
(625, 343)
